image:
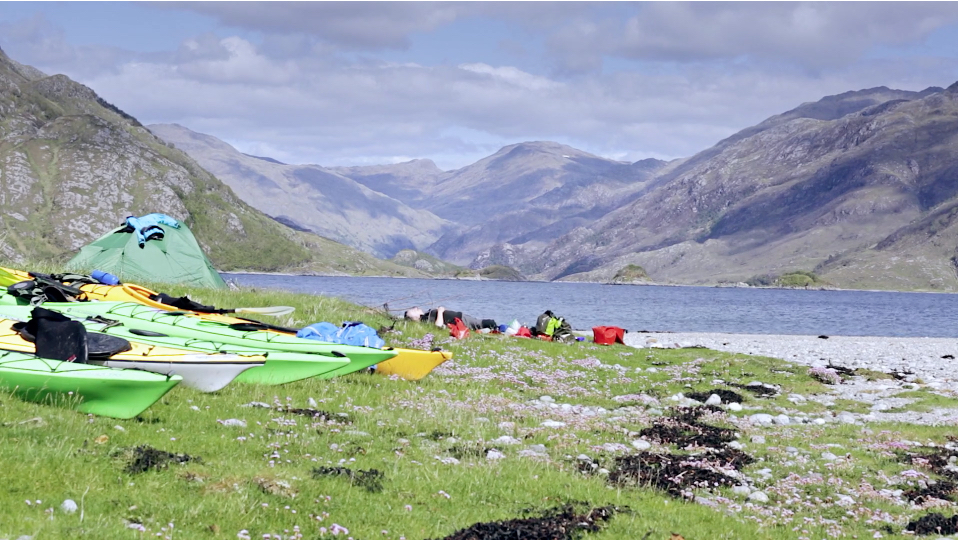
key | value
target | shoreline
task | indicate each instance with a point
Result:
(691, 285)
(926, 357)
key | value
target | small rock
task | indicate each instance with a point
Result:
(797, 398)
(233, 422)
(69, 506)
(846, 418)
(819, 421)
(482, 419)
(547, 399)
(506, 426)
(603, 472)
(758, 439)
(355, 433)
(714, 400)
(641, 444)
(552, 424)
(791, 450)
(584, 458)
(736, 445)
(781, 420)
(735, 407)
(758, 497)
(102, 439)
(537, 448)
(312, 403)
(652, 370)
(119, 428)
(828, 456)
(257, 404)
(494, 454)
(655, 412)
(505, 439)
(742, 491)
(761, 418)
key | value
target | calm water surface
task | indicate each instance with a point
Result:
(676, 309)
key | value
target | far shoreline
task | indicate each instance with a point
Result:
(701, 286)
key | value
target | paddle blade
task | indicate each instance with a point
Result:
(270, 310)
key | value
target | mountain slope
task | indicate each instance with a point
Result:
(310, 197)
(528, 193)
(801, 192)
(73, 166)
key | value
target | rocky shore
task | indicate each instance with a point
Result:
(933, 360)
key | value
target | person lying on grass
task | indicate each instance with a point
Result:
(443, 317)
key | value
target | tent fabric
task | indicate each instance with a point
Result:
(175, 258)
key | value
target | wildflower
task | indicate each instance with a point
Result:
(408, 507)
(337, 528)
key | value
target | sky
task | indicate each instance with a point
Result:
(366, 83)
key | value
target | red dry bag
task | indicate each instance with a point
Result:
(607, 335)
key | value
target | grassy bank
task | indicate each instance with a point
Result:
(500, 432)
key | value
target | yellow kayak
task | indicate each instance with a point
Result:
(409, 364)
(412, 364)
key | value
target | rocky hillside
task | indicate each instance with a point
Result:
(73, 166)
(313, 198)
(859, 187)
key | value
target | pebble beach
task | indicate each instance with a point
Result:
(930, 359)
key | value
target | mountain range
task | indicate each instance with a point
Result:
(860, 188)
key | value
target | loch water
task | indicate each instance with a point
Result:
(648, 307)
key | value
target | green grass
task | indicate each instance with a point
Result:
(254, 478)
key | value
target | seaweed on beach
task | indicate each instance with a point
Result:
(760, 390)
(728, 396)
(937, 460)
(677, 474)
(325, 416)
(563, 523)
(943, 489)
(934, 523)
(371, 480)
(683, 428)
(144, 458)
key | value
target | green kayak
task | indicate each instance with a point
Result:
(183, 324)
(281, 367)
(119, 393)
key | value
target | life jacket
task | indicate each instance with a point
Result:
(50, 288)
(458, 329)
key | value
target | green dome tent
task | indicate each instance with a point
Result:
(152, 248)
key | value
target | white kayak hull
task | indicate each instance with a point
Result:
(199, 372)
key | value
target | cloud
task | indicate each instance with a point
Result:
(353, 25)
(676, 78)
(812, 35)
(36, 40)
